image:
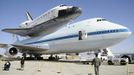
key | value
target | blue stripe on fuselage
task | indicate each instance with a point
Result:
(76, 35)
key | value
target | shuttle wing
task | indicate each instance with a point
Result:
(44, 28)
(17, 31)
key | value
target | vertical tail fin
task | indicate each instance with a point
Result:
(28, 16)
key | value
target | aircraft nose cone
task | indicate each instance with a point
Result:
(77, 9)
(117, 36)
(124, 33)
(128, 33)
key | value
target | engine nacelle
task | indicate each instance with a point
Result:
(11, 51)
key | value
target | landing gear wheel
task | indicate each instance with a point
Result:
(38, 57)
(52, 58)
(110, 63)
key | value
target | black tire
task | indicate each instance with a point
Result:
(129, 60)
(110, 62)
(123, 62)
(87, 63)
(84, 63)
(39, 58)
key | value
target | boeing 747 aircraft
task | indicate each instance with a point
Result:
(51, 34)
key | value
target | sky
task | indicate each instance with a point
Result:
(12, 13)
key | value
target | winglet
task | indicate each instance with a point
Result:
(28, 16)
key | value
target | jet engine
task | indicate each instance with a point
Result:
(11, 51)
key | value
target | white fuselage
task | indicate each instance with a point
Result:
(98, 34)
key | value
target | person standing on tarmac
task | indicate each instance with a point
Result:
(96, 62)
(7, 66)
(22, 63)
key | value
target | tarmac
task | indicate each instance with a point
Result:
(63, 68)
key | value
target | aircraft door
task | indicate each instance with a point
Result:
(82, 35)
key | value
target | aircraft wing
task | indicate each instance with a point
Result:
(31, 48)
(3, 45)
(27, 48)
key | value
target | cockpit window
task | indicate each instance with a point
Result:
(98, 20)
(62, 5)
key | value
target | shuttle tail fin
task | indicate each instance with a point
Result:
(28, 16)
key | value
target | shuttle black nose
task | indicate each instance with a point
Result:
(76, 9)
(69, 11)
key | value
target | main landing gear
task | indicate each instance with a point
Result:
(32, 56)
(53, 58)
